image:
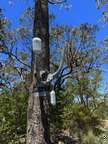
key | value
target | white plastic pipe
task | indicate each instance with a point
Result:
(54, 75)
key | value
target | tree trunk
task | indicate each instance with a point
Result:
(37, 119)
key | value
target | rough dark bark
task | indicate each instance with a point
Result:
(37, 119)
(41, 29)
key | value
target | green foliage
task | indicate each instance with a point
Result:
(13, 117)
(90, 138)
(81, 122)
(80, 105)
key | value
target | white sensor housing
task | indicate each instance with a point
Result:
(53, 97)
(37, 44)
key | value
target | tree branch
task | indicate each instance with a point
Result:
(56, 1)
(11, 54)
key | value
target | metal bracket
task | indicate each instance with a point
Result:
(38, 94)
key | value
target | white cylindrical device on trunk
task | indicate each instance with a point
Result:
(37, 44)
(53, 97)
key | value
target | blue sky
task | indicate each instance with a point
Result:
(81, 11)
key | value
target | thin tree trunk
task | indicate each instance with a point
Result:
(37, 119)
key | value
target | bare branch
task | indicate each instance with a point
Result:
(56, 1)
(19, 60)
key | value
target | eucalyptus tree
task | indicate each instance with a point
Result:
(14, 60)
(78, 84)
(37, 126)
(11, 64)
